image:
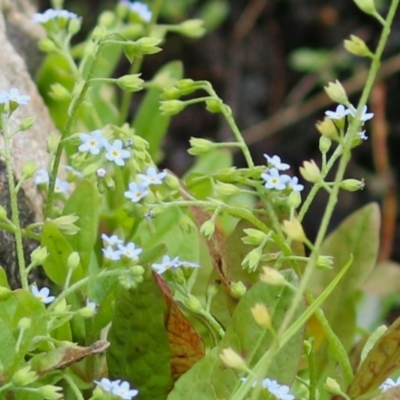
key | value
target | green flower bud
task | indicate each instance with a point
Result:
(107, 19)
(186, 86)
(178, 276)
(231, 359)
(50, 392)
(24, 323)
(226, 189)
(99, 33)
(336, 92)
(74, 26)
(294, 199)
(273, 277)
(29, 169)
(325, 262)
(27, 123)
(185, 223)
(214, 105)
(207, 228)
(47, 45)
(253, 259)
(357, 47)
(86, 312)
(136, 270)
(193, 304)
(59, 92)
(172, 107)
(39, 255)
(5, 293)
(171, 93)
(130, 83)
(294, 229)
(254, 236)
(366, 6)
(324, 144)
(200, 146)
(24, 376)
(73, 260)
(192, 28)
(352, 185)
(328, 128)
(238, 289)
(261, 315)
(172, 182)
(66, 225)
(332, 386)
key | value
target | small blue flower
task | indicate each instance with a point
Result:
(111, 241)
(42, 294)
(140, 9)
(130, 250)
(362, 135)
(116, 153)
(365, 116)
(50, 14)
(294, 185)
(111, 254)
(61, 186)
(166, 264)
(275, 162)
(92, 142)
(152, 177)
(42, 177)
(275, 181)
(389, 384)
(13, 96)
(136, 192)
(339, 113)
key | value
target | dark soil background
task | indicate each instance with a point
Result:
(247, 59)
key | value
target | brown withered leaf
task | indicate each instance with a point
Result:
(391, 394)
(186, 345)
(63, 357)
(382, 360)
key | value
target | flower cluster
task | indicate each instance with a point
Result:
(140, 9)
(42, 294)
(94, 142)
(42, 178)
(139, 190)
(168, 263)
(281, 392)
(114, 248)
(13, 96)
(389, 384)
(117, 388)
(51, 14)
(274, 180)
(342, 112)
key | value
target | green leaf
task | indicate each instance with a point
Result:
(357, 235)
(149, 123)
(84, 203)
(7, 345)
(3, 278)
(139, 350)
(210, 379)
(59, 250)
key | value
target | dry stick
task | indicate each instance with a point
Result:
(296, 112)
(382, 166)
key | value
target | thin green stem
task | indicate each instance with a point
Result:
(14, 201)
(77, 392)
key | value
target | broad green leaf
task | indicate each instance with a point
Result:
(384, 279)
(7, 345)
(149, 123)
(139, 350)
(59, 250)
(382, 360)
(210, 379)
(84, 203)
(357, 235)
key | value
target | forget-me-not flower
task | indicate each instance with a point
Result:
(166, 263)
(362, 135)
(136, 192)
(275, 162)
(294, 184)
(42, 177)
(14, 96)
(140, 9)
(152, 177)
(42, 294)
(50, 14)
(116, 153)
(111, 253)
(389, 384)
(92, 142)
(275, 181)
(340, 112)
(365, 116)
(61, 186)
(130, 250)
(111, 241)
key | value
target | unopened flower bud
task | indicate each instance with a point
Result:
(185, 223)
(24, 376)
(272, 277)
(253, 259)
(5, 293)
(99, 33)
(214, 105)
(192, 28)
(74, 26)
(39, 255)
(47, 45)
(366, 6)
(357, 47)
(172, 182)
(29, 169)
(254, 236)
(27, 123)
(294, 230)
(238, 289)
(171, 93)
(336, 92)
(87, 312)
(24, 323)
(207, 228)
(130, 83)
(50, 392)
(101, 173)
(66, 225)
(231, 359)
(327, 128)
(324, 144)
(226, 189)
(186, 86)
(172, 107)
(332, 386)
(136, 270)
(294, 199)
(310, 171)
(73, 260)
(325, 262)
(261, 315)
(199, 146)
(107, 19)
(193, 304)
(352, 185)
(59, 92)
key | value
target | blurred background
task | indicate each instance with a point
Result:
(269, 60)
